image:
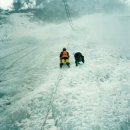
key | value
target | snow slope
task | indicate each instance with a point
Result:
(36, 95)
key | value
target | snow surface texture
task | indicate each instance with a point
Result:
(36, 95)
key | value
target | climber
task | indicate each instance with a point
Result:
(78, 58)
(64, 58)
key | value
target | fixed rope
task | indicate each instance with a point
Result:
(52, 99)
(60, 74)
(68, 14)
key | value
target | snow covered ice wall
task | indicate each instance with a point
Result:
(93, 96)
(53, 10)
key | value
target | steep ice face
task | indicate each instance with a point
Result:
(78, 4)
(35, 94)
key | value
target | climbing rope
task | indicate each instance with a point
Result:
(68, 14)
(54, 91)
(60, 76)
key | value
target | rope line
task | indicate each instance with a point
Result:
(14, 62)
(60, 76)
(52, 99)
(68, 14)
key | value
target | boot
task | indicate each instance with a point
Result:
(61, 65)
(68, 64)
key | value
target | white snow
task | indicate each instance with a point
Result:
(36, 95)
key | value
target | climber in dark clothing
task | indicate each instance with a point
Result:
(78, 58)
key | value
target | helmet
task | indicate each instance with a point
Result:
(64, 49)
